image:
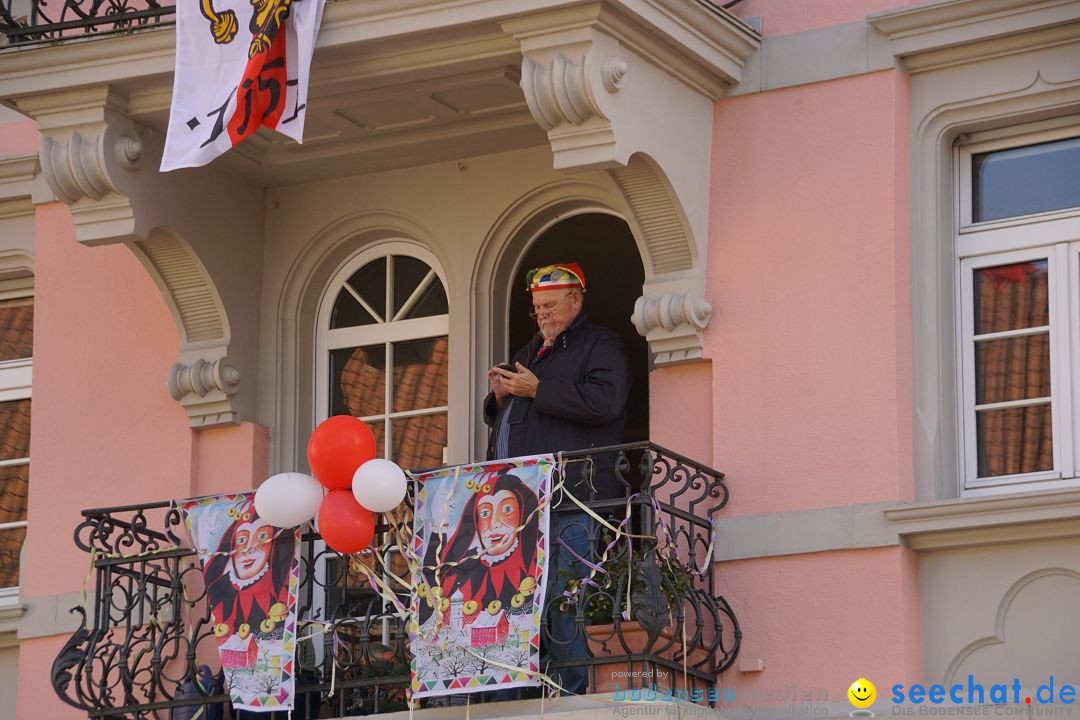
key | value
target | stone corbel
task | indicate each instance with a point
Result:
(565, 84)
(674, 324)
(103, 166)
(204, 387)
(86, 144)
(569, 68)
(597, 77)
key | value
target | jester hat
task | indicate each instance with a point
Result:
(559, 275)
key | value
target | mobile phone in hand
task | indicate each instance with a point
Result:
(506, 366)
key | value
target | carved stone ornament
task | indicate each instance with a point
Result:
(88, 148)
(674, 325)
(202, 378)
(558, 88)
(669, 311)
(75, 168)
(203, 387)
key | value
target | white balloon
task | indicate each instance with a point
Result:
(288, 499)
(379, 485)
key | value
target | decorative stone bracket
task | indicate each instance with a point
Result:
(674, 324)
(86, 144)
(629, 88)
(204, 388)
(100, 163)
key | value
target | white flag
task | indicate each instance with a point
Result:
(239, 64)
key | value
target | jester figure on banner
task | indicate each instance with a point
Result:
(240, 64)
(481, 531)
(252, 574)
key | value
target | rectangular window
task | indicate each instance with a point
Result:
(1019, 307)
(16, 343)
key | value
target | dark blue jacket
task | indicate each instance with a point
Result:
(580, 401)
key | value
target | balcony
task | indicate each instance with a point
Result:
(33, 22)
(145, 643)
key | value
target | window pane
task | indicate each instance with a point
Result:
(419, 441)
(408, 272)
(1015, 440)
(1012, 369)
(10, 544)
(431, 302)
(1010, 297)
(378, 429)
(16, 328)
(348, 312)
(420, 374)
(15, 429)
(1025, 180)
(14, 482)
(358, 381)
(370, 283)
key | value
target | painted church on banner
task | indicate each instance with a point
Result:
(838, 240)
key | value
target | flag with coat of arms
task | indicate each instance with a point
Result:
(239, 64)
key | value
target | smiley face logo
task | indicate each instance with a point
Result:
(862, 693)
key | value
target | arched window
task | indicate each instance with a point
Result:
(383, 351)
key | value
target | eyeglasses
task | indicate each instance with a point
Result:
(548, 308)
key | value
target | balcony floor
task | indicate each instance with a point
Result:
(601, 706)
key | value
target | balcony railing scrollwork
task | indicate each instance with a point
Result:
(146, 645)
(28, 22)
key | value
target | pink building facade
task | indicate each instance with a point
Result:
(841, 239)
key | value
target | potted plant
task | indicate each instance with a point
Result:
(632, 607)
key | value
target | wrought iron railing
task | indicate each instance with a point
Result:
(32, 22)
(146, 639)
(29, 22)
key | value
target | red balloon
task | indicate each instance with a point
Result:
(345, 524)
(338, 446)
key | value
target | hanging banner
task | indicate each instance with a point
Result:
(239, 64)
(482, 534)
(252, 575)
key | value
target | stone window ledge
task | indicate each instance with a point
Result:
(982, 521)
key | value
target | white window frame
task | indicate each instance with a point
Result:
(16, 379)
(383, 333)
(327, 339)
(1055, 237)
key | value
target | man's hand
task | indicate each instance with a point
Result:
(520, 384)
(497, 388)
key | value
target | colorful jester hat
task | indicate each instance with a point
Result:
(559, 275)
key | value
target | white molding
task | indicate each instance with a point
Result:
(14, 170)
(921, 527)
(932, 17)
(12, 610)
(942, 34)
(845, 527)
(17, 175)
(49, 615)
(981, 521)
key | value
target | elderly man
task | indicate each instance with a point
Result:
(566, 390)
